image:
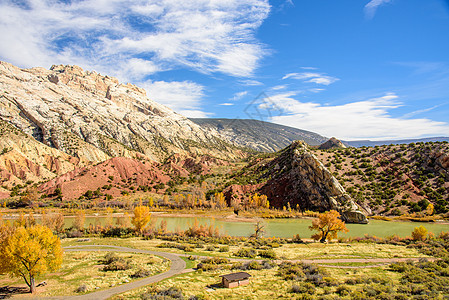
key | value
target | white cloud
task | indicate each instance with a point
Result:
(134, 39)
(368, 119)
(317, 78)
(239, 95)
(250, 82)
(184, 97)
(279, 87)
(190, 113)
(226, 104)
(204, 35)
(373, 5)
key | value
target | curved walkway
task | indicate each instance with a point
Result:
(177, 266)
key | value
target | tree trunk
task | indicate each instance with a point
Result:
(323, 238)
(32, 285)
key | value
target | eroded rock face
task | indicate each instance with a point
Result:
(94, 117)
(299, 178)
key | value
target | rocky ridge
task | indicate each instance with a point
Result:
(259, 135)
(94, 117)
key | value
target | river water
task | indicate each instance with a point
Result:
(288, 227)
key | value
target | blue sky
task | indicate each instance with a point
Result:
(352, 69)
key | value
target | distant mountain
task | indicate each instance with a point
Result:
(332, 143)
(369, 143)
(259, 135)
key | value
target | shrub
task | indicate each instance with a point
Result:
(210, 248)
(246, 252)
(81, 289)
(303, 288)
(267, 254)
(291, 271)
(343, 290)
(115, 263)
(224, 249)
(141, 273)
(167, 294)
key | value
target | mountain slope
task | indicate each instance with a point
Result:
(393, 179)
(90, 116)
(259, 135)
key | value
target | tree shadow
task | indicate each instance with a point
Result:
(8, 291)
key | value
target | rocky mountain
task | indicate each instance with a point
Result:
(94, 117)
(294, 177)
(259, 135)
(332, 143)
(23, 159)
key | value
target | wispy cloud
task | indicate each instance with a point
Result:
(226, 104)
(205, 35)
(367, 119)
(372, 6)
(239, 95)
(317, 78)
(279, 87)
(420, 111)
(134, 39)
(251, 82)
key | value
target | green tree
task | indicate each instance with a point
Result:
(328, 225)
(29, 252)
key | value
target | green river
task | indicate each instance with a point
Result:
(290, 227)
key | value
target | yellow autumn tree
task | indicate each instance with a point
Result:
(141, 218)
(419, 233)
(328, 225)
(30, 252)
(430, 209)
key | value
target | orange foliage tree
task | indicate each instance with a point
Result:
(328, 225)
(141, 218)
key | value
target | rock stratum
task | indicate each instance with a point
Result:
(57, 124)
(95, 117)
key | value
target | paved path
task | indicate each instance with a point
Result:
(177, 267)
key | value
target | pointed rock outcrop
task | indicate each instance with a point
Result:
(297, 177)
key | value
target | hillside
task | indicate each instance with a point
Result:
(393, 179)
(259, 135)
(294, 178)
